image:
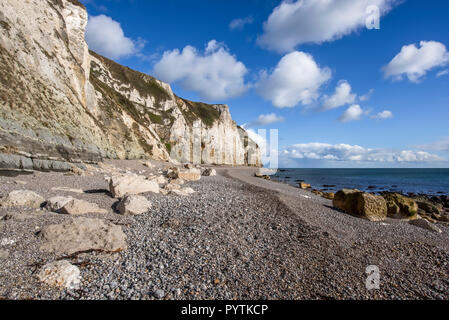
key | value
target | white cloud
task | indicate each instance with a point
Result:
(442, 73)
(215, 74)
(351, 153)
(353, 113)
(316, 21)
(341, 97)
(383, 115)
(106, 37)
(239, 24)
(296, 79)
(440, 145)
(415, 62)
(367, 96)
(266, 119)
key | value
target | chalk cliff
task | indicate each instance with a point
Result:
(62, 104)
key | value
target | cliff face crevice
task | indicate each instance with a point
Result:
(61, 102)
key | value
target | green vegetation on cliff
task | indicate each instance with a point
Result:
(146, 86)
(206, 112)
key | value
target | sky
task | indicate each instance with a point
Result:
(347, 83)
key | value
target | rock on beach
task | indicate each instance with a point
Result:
(83, 234)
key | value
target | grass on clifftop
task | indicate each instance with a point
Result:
(146, 86)
(204, 111)
(74, 2)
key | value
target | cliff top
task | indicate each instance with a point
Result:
(147, 85)
(74, 2)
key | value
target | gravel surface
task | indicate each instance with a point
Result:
(237, 237)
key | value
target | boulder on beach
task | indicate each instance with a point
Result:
(425, 224)
(304, 185)
(23, 198)
(174, 188)
(133, 205)
(158, 179)
(76, 206)
(55, 204)
(182, 191)
(340, 198)
(60, 274)
(362, 204)
(83, 234)
(192, 174)
(128, 184)
(329, 195)
(401, 207)
(209, 172)
(429, 207)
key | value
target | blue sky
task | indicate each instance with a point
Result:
(282, 61)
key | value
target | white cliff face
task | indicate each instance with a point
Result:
(221, 143)
(49, 40)
(50, 109)
(187, 137)
(60, 101)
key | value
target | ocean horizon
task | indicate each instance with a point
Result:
(404, 180)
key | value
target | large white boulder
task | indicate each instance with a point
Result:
(60, 274)
(24, 198)
(55, 204)
(120, 186)
(83, 234)
(134, 205)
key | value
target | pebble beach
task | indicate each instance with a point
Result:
(235, 237)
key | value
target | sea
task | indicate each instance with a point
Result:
(418, 181)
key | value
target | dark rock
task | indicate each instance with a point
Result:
(369, 206)
(400, 206)
(428, 207)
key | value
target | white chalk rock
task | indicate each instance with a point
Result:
(129, 184)
(23, 198)
(60, 274)
(134, 205)
(55, 204)
(83, 234)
